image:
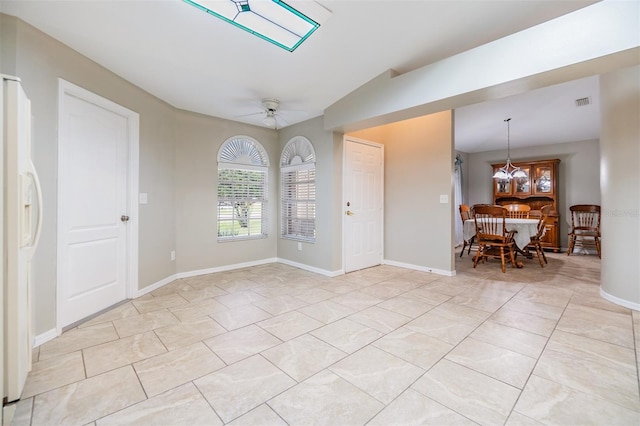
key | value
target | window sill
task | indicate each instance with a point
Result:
(299, 239)
(232, 239)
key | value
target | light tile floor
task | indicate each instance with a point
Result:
(275, 345)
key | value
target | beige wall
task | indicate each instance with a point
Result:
(198, 140)
(579, 175)
(321, 254)
(620, 180)
(39, 61)
(178, 151)
(418, 169)
(337, 255)
(8, 44)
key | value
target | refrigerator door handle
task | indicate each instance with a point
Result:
(36, 181)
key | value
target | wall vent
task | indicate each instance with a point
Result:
(583, 101)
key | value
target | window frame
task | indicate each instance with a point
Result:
(298, 157)
(243, 155)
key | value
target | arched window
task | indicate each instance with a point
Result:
(243, 167)
(298, 190)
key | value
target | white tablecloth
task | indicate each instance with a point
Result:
(526, 228)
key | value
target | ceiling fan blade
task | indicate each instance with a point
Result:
(295, 111)
(278, 116)
(253, 113)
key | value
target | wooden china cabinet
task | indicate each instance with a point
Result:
(537, 189)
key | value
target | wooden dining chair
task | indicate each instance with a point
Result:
(492, 236)
(518, 211)
(466, 214)
(536, 240)
(585, 227)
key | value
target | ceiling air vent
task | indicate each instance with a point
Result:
(583, 101)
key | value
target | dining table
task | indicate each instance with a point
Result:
(526, 228)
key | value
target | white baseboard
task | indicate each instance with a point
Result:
(312, 268)
(40, 339)
(419, 268)
(51, 334)
(618, 301)
(198, 272)
(232, 267)
(155, 286)
(225, 268)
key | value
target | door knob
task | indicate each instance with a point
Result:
(124, 218)
(350, 213)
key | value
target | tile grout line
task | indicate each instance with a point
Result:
(538, 359)
(384, 334)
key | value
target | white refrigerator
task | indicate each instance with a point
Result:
(21, 223)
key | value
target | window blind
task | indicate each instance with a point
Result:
(298, 218)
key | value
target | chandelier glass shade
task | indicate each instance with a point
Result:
(509, 171)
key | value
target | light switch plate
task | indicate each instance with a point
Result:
(444, 198)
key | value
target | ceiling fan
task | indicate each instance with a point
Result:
(272, 117)
(271, 110)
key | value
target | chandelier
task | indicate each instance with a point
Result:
(509, 171)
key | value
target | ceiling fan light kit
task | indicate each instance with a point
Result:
(269, 121)
(270, 108)
(287, 25)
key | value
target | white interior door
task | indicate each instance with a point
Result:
(94, 204)
(363, 204)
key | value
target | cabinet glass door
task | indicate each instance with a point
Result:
(522, 186)
(543, 182)
(503, 186)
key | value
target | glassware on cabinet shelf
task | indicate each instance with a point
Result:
(543, 180)
(503, 186)
(522, 185)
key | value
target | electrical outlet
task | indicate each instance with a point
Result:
(173, 255)
(300, 246)
(444, 198)
(143, 198)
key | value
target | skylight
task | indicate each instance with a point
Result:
(272, 20)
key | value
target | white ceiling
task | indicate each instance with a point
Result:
(199, 63)
(539, 117)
